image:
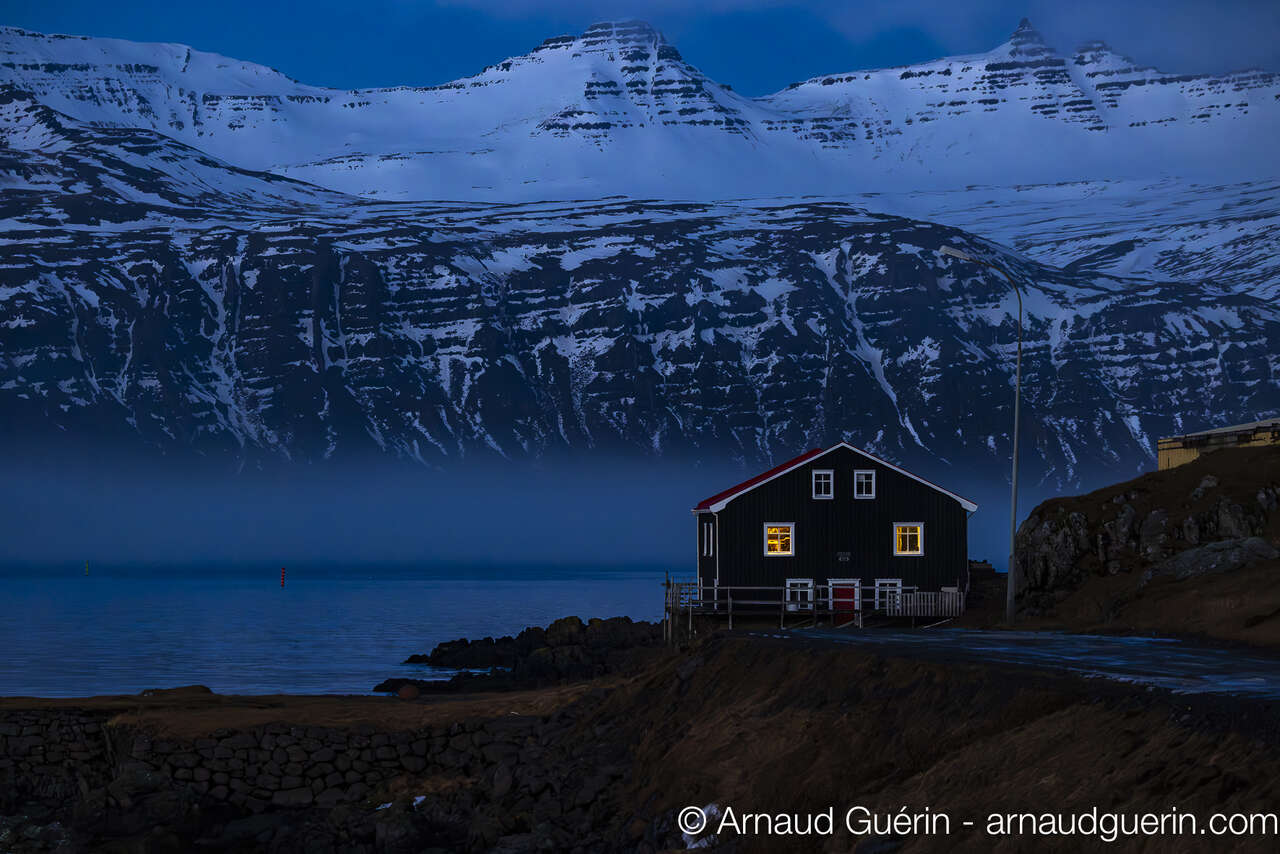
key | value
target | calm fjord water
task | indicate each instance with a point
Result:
(329, 630)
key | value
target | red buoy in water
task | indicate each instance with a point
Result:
(282, 576)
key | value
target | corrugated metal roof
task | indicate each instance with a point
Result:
(1237, 428)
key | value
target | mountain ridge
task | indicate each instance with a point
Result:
(617, 110)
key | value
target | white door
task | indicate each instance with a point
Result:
(888, 591)
(799, 594)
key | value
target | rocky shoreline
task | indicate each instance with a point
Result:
(606, 764)
(566, 650)
(509, 783)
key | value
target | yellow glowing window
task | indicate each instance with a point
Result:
(779, 539)
(908, 538)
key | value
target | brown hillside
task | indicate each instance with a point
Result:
(1186, 551)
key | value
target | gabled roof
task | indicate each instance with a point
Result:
(722, 498)
(716, 503)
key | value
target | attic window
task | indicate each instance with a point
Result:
(779, 539)
(908, 538)
(824, 483)
(864, 484)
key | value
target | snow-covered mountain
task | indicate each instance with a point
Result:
(169, 281)
(618, 110)
(277, 325)
(1167, 229)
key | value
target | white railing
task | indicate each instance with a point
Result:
(926, 604)
(819, 600)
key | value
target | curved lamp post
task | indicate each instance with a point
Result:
(1017, 395)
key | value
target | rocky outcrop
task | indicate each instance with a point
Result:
(1223, 556)
(1216, 514)
(568, 649)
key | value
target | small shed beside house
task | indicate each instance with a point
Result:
(836, 529)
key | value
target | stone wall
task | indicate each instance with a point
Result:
(52, 754)
(58, 754)
(503, 777)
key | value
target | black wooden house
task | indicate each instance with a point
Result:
(837, 528)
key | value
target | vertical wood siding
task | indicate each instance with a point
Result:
(825, 527)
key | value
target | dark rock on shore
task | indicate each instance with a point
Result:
(568, 649)
(483, 653)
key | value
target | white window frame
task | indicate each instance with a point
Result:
(871, 472)
(799, 585)
(854, 583)
(765, 531)
(885, 584)
(813, 483)
(897, 553)
(708, 539)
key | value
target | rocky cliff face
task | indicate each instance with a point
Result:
(1216, 514)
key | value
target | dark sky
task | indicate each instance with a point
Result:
(756, 46)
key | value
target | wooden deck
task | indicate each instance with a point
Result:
(836, 604)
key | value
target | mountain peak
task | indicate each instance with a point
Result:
(626, 35)
(1026, 40)
(609, 36)
(622, 30)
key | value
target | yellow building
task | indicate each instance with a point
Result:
(1176, 450)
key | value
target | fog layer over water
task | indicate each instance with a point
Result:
(62, 508)
(115, 509)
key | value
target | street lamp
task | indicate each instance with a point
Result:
(1017, 395)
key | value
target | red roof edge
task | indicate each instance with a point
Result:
(706, 503)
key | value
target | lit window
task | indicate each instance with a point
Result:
(824, 483)
(908, 538)
(779, 539)
(864, 484)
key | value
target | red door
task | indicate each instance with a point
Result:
(844, 599)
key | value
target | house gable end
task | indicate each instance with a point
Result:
(719, 501)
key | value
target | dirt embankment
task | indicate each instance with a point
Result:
(1193, 550)
(764, 726)
(754, 724)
